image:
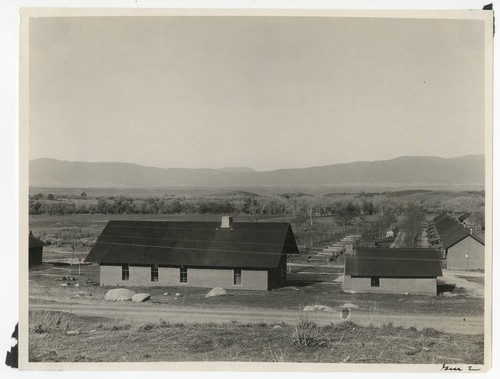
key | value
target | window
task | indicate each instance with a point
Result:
(375, 282)
(154, 273)
(183, 275)
(237, 276)
(125, 272)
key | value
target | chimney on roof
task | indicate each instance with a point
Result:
(227, 222)
(349, 250)
(470, 231)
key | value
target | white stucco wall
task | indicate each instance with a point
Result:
(415, 286)
(111, 275)
(467, 254)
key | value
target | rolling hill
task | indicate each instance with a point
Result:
(468, 169)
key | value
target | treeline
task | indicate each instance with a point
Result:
(300, 206)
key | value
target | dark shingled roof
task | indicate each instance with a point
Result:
(451, 232)
(395, 263)
(200, 244)
(35, 242)
(440, 217)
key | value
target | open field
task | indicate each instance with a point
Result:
(96, 339)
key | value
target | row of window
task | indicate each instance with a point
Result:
(183, 274)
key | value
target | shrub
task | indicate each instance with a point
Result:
(308, 334)
(39, 329)
(148, 326)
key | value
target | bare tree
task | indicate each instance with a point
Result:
(74, 238)
(412, 226)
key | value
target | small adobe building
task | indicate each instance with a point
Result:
(397, 271)
(35, 250)
(239, 255)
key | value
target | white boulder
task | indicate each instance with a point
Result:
(217, 291)
(119, 294)
(141, 297)
(318, 307)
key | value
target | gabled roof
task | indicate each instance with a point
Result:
(396, 263)
(440, 217)
(451, 232)
(463, 216)
(36, 242)
(196, 244)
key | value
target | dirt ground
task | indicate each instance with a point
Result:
(388, 328)
(471, 282)
(306, 287)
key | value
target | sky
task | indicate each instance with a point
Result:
(260, 92)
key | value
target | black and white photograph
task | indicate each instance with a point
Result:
(256, 187)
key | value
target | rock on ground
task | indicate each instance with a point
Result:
(119, 294)
(217, 291)
(318, 307)
(289, 289)
(141, 297)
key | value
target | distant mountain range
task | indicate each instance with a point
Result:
(468, 169)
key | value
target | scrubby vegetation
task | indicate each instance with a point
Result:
(304, 342)
(300, 206)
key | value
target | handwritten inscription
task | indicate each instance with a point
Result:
(446, 367)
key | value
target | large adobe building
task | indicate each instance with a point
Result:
(240, 255)
(461, 247)
(398, 271)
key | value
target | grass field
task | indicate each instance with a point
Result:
(94, 339)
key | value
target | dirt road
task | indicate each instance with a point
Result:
(138, 313)
(457, 278)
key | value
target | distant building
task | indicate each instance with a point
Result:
(240, 255)
(468, 222)
(35, 249)
(397, 271)
(461, 247)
